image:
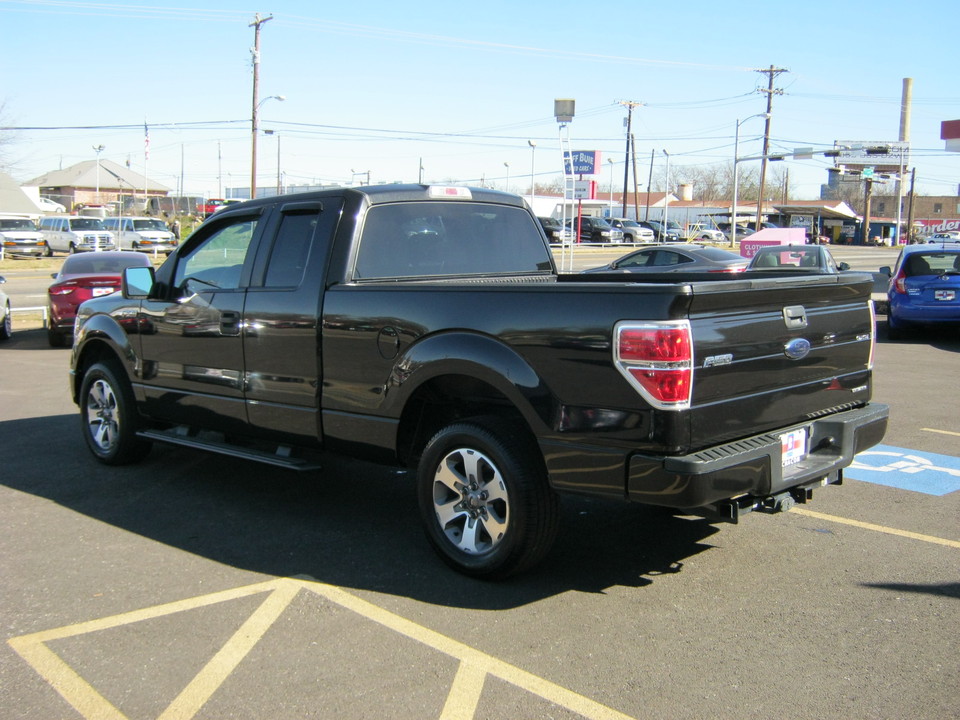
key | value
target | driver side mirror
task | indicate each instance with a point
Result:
(137, 282)
(844, 266)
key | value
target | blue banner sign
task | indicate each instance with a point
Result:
(585, 162)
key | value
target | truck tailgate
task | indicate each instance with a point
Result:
(768, 354)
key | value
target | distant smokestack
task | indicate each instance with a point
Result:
(905, 107)
(686, 192)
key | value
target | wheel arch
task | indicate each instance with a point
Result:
(101, 340)
(459, 375)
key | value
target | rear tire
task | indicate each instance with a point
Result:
(56, 338)
(486, 505)
(108, 416)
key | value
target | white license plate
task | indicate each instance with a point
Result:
(97, 292)
(793, 446)
(944, 294)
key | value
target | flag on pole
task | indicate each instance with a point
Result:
(146, 141)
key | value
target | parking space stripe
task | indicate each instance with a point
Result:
(480, 661)
(942, 432)
(465, 694)
(878, 528)
(73, 688)
(196, 694)
(462, 700)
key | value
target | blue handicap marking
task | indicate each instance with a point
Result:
(907, 469)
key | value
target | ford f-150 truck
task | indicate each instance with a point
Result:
(428, 327)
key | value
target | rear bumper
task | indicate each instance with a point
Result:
(753, 466)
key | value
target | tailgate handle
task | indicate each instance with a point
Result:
(795, 316)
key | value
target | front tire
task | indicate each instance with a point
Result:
(484, 499)
(108, 416)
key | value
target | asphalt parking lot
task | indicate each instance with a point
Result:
(195, 586)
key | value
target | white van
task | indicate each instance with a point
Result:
(70, 234)
(146, 234)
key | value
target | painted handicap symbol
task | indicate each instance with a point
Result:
(907, 469)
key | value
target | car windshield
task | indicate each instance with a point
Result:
(86, 224)
(152, 224)
(17, 224)
(96, 263)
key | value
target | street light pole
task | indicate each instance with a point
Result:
(98, 149)
(256, 125)
(533, 163)
(507, 166)
(736, 159)
(610, 161)
(666, 202)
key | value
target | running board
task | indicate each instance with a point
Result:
(281, 457)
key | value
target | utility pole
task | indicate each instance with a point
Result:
(629, 105)
(771, 73)
(255, 52)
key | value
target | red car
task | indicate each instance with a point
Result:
(209, 207)
(84, 276)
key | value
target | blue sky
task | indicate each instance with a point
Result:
(379, 86)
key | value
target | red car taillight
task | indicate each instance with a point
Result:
(63, 288)
(657, 360)
(900, 284)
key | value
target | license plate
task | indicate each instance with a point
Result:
(944, 294)
(97, 292)
(793, 446)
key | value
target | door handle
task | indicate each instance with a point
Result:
(229, 323)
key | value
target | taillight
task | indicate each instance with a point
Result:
(900, 283)
(64, 289)
(657, 360)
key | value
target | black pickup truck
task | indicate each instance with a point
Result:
(428, 327)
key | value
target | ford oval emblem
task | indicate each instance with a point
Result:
(797, 348)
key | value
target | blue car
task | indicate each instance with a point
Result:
(924, 288)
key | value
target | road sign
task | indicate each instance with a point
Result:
(585, 162)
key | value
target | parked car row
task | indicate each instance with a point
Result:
(619, 230)
(72, 233)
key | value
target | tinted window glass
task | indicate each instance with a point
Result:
(218, 260)
(438, 239)
(291, 248)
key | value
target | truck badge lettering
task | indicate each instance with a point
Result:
(715, 360)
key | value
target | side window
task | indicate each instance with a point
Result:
(304, 229)
(291, 248)
(218, 260)
(638, 260)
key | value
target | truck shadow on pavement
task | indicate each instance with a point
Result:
(352, 524)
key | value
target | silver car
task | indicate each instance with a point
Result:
(633, 232)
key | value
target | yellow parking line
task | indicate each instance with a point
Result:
(462, 699)
(465, 694)
(942, 432)
(878, 528)
(213, 675)
(479, 661)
